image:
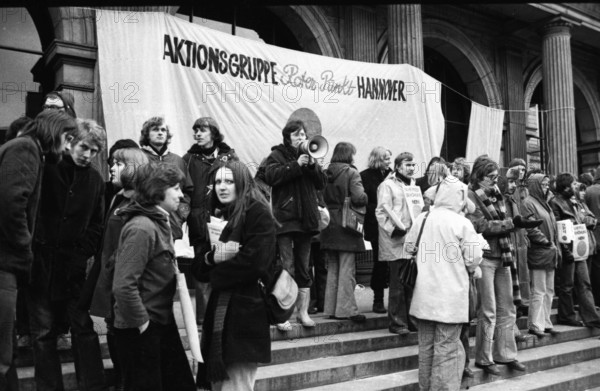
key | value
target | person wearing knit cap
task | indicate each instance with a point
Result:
(201, 160)
(295, 178)
(62, 101)
(495, 342)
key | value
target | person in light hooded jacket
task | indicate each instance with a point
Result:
(449, 250)
(542, 255)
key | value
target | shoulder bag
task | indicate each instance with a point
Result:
(408, 268)
(280, 297)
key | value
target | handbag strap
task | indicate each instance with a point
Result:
(421, 231)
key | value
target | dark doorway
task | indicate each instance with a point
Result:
(456, 108)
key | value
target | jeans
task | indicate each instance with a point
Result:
(380, 274)
(8, 341)
(400, 297)
(341, 280)
(242, 377)
(154, 360)
(294, 249)
(85, 344)
(319, 277)
(441, 356)
(542, 293)
(574, 276)
(496, 315)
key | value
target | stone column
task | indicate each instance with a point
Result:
(511, 64)
(360, 31)
(559, 100)
(405, 34)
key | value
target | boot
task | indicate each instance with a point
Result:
(302, 307)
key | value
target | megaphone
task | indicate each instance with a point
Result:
(316, 147)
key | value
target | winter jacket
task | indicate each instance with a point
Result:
(21, 170)
(391, 193)
(285, 176)
(448, 251)
(246, 336)
(187, 187)
(69, 229)
(371, 179)
(489, 228)
(144, 278)
(102, 300)
(543, 252)
(200, 168)
(343, 181)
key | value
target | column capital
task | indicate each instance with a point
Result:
(559, 25)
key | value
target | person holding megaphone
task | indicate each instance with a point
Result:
(295, 176)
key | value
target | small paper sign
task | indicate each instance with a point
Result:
(581, 243)
(565, 231)
(414, 200)
(223, 251)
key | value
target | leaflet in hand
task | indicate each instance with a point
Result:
(223, 251)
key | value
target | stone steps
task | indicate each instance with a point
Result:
(396, 368)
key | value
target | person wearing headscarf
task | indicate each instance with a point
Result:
(61, 101)
(543, 255)
(440, 301)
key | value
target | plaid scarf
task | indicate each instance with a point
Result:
(497, 210)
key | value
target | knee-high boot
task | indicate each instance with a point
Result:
(302, 307)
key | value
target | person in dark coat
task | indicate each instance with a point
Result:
(294, 179)
(21, 169)
(155, 138)
(126, 161)
(340, 244)
(378, 169)
(150, 351)
(542, 255)
(592, 198)
(235, 333)
(573, 274)
(67, 234)
(201, 161)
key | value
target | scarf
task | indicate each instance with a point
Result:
(213, 369)
(304, 190)
(497, 210)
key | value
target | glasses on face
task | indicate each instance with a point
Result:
(53, 107)
(493, 178)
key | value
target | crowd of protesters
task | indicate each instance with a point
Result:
(485, 243)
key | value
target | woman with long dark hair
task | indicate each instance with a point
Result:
(235, 333)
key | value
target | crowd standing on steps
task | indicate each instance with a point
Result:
(484, 238)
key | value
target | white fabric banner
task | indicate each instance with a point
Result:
(485, 133)
(160, 65)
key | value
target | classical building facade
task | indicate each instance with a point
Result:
(517, 57)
